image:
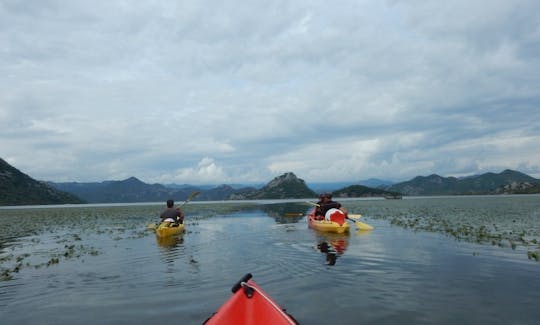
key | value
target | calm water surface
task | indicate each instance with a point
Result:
(100, 263)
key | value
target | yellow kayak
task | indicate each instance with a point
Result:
(327, 225)
(167, 228)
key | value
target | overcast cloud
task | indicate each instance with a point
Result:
(211, 92)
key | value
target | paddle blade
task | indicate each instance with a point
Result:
(193, 195)
(354, 216)
(363, 226)
(152, 226)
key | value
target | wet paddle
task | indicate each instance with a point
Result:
(361, 225)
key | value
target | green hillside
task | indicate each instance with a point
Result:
(488, 183)
(17, 188)
(363, 191)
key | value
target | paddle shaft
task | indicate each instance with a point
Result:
(190, 197)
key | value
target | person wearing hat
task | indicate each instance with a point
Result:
(327, 204)
(171, 214)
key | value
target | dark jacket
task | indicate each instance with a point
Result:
(329, 205)
(170, 213)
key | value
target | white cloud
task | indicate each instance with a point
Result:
(219, 92)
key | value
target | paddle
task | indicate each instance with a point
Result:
(189, 198)
(293, 214)
(352, 217)
(359, 224)
(315, 204)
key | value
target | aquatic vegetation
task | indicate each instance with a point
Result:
(40, 238)
(5, 275)
(533, 255)
(54, 260)
(46, 237)
(482, 220)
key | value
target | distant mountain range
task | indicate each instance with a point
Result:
(508, 181)
(365, 191)
(134, 190)
(333, 186)
(17, 188)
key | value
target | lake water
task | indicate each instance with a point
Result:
(448, 260)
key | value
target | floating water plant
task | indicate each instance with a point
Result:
(53, 260)
(5, 275)
(485, 220)
(533, 255)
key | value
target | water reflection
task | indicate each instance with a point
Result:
(285, 212)
(362, 232)
(332, 245)
(171, 251)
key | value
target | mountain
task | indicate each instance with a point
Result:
(124, 191)
(133, 190)
(223, 192)
(488, 183)
(375, 182)
(363, 191)
(328, 187)
(334, 186)
(214, 186)
(17, 188)
(286, 186)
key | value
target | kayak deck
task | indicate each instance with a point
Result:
(250, 305)
(326, 225)
(166, 228)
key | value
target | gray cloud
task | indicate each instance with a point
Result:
(201, 92)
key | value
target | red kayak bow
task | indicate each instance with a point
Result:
(249, 304)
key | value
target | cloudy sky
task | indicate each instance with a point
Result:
(212, 92)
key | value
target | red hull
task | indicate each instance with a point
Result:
(243, 309)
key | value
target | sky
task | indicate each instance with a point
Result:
(223, 92)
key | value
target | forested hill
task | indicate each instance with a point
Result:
(17, 188)
(364, 191)
(508, 182)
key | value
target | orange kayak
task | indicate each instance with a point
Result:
(249, 304)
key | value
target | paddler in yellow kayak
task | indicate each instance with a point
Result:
(172, 214)
(325, 204)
